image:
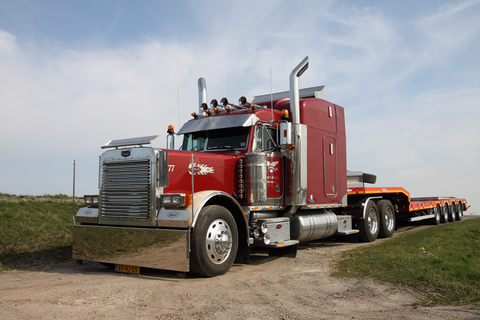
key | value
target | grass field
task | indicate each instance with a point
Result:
(35, 231)
(443, 262)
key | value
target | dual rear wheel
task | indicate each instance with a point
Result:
(379, 221)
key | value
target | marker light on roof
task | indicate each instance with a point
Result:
(242, 101)
(224, 102)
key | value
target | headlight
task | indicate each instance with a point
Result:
(91, 200)
(266, 239)
(264, 227)
(256, 234)
(176, 200)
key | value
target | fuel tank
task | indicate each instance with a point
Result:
(313, 225)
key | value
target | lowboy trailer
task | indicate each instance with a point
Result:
(268, 173)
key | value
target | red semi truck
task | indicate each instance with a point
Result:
(268, 173)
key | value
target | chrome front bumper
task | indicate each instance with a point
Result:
(141, 247)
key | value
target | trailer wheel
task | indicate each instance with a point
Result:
(387, 218)
(459, 215)
(451, 213)
(214, 242)
(437, 212)
(369, 226)
(444, 213)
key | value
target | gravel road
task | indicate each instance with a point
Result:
(268, 288)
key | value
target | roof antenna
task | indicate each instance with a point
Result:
(178, 102)
(271, 93)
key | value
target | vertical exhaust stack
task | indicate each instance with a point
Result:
(295, 91)
(202, 94)
(298, 195)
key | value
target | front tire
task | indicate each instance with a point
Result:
(387, 218)
(214, 242)
(369, 227)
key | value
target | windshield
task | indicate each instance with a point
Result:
(230, 138)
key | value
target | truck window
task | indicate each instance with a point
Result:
(229, 138)
(235, 138)
(265, 137)
(194, 141)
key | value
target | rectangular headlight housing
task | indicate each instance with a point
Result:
(176, 200)
(91, 200)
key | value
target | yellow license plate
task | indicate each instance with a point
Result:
(127, 269)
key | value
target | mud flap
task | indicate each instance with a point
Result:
(350, 238)
(243, 254)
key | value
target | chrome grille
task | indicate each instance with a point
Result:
(126, 190)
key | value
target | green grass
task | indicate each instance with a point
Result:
(443, 261)
(35, 231)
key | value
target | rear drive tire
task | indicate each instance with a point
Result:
(386, 213)
(214, 242)
(369, 227)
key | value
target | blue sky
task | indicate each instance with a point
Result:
(75, 74)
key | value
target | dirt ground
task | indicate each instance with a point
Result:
(268, 288)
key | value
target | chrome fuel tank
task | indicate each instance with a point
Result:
(313, 226)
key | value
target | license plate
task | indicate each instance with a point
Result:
(127, 269)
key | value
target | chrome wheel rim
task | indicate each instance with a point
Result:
(389, 218)
(218, 241)
(372, 222)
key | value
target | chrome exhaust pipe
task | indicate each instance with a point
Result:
(294, 90)
(298, 196)
(202, 94)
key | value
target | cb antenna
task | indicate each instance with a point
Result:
(271, 93)
(178, 102)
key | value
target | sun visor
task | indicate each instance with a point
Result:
(219, 122)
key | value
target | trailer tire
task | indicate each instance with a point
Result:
(444, 213)
(214, 242)
(459, 213)
(451, 213)
(369, 225)
(387, 218)
(437, 212)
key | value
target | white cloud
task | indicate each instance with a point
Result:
(63, 102)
